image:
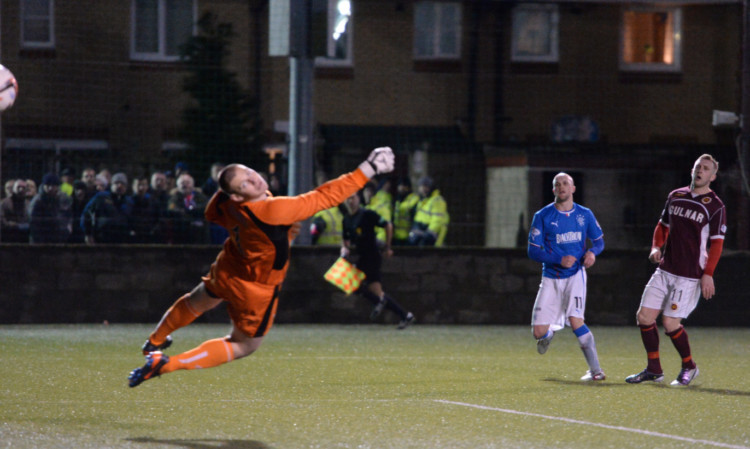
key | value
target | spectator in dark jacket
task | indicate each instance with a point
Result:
(186, 208)
(80, 199)
(106, 218)
(14, 212)
(144, 218)
(212, 183)
(50, 214)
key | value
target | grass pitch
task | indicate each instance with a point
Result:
(369, 387)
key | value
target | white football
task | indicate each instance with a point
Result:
(8, 88)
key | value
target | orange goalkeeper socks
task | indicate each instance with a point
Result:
(177, 316)
(209, 354)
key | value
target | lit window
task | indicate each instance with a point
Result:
(437, 30)
(159, 27)
(535, 33)
(339, 36)
(37, 24)
(651, 39)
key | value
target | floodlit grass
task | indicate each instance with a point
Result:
(369, 387)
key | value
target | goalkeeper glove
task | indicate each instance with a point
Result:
(380, 160)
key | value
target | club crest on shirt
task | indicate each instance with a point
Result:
(706, 200)
(581, 220)
(674, 306)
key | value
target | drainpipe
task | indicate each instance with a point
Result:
(256, 16)
(471, 106)
(744, 144)
(743, 150)
(498, 106)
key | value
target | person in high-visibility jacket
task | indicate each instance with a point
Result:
(431, 218)
(403, 211)
(325, 228)
(382, 203)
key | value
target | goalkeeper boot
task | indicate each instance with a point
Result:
(644, 376)
(154, 362)
(685, 377)
(149, 347)
(592, 377)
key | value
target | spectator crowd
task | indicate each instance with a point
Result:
(167, 207)
(100, 207)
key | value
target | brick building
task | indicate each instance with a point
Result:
(556, 81)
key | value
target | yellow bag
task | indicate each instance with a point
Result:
(344, 275)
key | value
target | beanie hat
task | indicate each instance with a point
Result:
(426, 181)
(51, 179)
(120, 177)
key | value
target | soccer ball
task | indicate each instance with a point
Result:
(8, 88)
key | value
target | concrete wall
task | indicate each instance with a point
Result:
(79, 284)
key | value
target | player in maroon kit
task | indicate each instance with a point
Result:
(694, 220)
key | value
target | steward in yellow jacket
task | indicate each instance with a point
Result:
(403, 212)
(326, 227)
(431, 218)
(382, 203)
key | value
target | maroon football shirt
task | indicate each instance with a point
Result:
(692, 222)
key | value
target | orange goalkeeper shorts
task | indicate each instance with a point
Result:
(251, 305)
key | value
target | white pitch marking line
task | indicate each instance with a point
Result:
(593, 424)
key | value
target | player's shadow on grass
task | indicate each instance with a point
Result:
(204, 443)
(719, 391)
(693, 388)
(584, 384)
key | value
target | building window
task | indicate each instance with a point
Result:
(651, 39)
(37, 24)
(339, 36)
(159, 27)
(535, 33)
(437, 30)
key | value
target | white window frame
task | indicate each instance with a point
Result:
(440, 8)
(330, 61)
(160, 55)
(51, 17)
(532, 22)
(654, 67)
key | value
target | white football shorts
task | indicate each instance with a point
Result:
(559, 299)
(675, 296)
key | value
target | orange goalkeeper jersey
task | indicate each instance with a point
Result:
(260, 234)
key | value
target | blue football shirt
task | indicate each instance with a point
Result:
(559, 234)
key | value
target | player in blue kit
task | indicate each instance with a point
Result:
(557, 239)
